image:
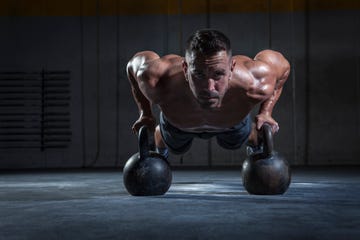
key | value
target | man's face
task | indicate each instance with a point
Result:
(208, 77)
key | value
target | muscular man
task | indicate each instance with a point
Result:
(209, 93)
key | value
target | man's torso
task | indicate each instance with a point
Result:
(180, 107)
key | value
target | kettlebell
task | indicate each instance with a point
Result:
(266, 172)
(146, 173)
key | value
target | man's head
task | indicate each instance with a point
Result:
(208, 66)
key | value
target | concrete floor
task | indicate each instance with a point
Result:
(320, 204)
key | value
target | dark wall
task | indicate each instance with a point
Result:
(318, 113)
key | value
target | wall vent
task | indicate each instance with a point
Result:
(35, 110)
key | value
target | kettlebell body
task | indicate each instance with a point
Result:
(149, 176)
(266, 176)
(267, 172)
(146, 173)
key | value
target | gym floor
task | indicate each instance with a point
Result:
(321, 203)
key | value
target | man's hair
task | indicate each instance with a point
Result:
(207, 42)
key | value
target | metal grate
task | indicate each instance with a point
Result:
(35, 110)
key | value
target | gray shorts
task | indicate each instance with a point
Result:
(179, 141)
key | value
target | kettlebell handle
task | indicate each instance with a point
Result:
(143, 139)
(268, 140)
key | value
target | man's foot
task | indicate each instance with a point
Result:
(163, 152)
(251, 150)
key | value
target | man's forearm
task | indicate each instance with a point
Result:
(268, 105)
(142, 102)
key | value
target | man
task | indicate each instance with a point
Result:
(209, 93)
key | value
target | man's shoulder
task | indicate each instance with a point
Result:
(241, 59)
(162, 65)
(160, 70)
(271, 57)
(171, 58)
(251, 75)
(269, 53)
(266, 55)
(277, 62)
(251, 66)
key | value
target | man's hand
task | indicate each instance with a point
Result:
(262, 118)
(149, 121)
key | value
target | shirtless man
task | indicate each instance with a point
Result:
(209, 93)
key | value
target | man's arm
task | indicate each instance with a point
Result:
(141, 85)
(281, 68)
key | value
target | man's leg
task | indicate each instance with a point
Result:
(253, 137)
(159, 143)
(244, 132)
(253, 144)
(168, 137)
(237, 136)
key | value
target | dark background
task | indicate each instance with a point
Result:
(65, 101)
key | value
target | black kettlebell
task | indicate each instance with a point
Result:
(146, 173)
(266, 173)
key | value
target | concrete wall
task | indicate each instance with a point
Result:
(318, 113)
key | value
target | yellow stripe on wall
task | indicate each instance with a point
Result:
(171, 7)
